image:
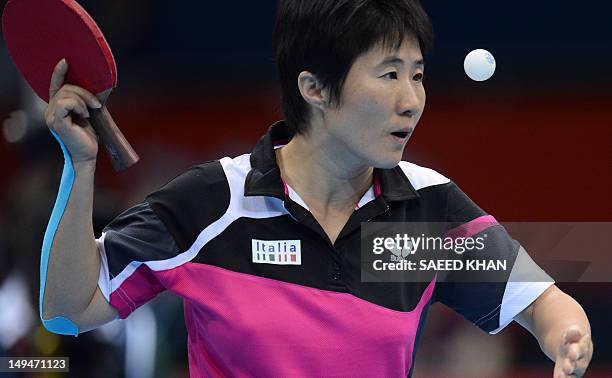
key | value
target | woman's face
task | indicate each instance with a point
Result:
(381, 102)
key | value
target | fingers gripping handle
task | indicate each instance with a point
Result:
(121, 153)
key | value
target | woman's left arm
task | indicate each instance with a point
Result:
(562, 328)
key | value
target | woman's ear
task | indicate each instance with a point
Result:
(312, 90)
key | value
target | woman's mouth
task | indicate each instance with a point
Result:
(400, 134)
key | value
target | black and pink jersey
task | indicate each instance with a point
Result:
(265, 291)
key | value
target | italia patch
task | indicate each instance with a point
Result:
(278, 252)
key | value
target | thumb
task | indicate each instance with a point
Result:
(572, 335)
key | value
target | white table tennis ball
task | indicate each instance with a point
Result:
(479, 65)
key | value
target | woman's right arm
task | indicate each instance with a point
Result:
(71, 285)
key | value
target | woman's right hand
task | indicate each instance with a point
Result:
(67, 115)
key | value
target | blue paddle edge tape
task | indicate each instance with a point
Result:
(59, 324)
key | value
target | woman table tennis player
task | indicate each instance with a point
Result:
(264, 247)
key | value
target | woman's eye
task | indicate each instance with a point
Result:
(418, 77)
(391, 75)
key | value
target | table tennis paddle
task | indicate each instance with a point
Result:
(39, 33)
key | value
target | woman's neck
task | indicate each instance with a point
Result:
(319, 173)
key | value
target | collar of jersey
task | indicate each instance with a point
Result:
(264, 179)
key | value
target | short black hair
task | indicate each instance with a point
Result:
(325, 37)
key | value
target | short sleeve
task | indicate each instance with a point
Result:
(128, 245)
(489, 305)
